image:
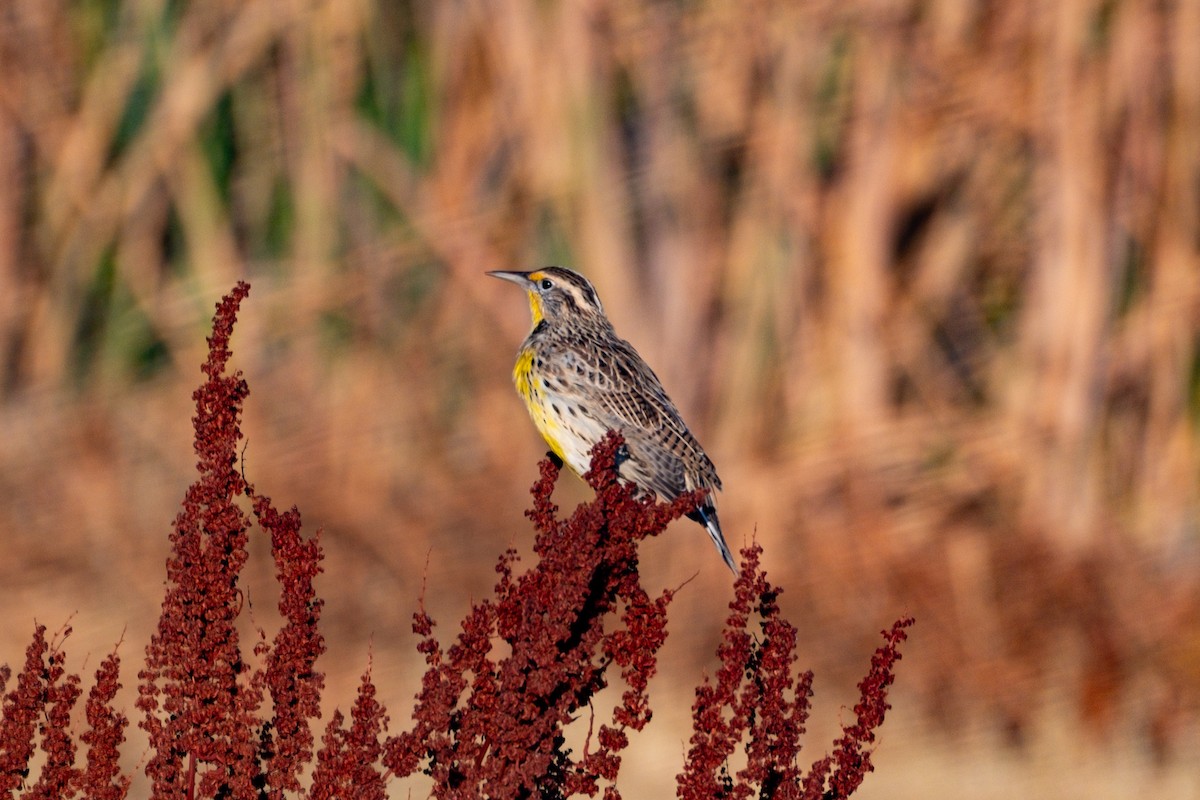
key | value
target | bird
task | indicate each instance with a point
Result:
(579, 380)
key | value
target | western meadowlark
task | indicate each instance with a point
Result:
(579, 380)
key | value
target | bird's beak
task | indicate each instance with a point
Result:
(519, 278)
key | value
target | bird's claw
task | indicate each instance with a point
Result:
(621, 456)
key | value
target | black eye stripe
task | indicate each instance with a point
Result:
(569, 287)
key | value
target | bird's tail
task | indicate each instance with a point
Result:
(706, 515)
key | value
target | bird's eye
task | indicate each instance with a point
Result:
(547, 283)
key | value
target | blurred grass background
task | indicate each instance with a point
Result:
(922, 275)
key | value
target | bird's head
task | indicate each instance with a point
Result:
(556, 294)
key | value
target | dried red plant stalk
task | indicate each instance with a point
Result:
(60, 690)
(21, 710)
(102, 779)
(494, 727)
(201, 700)
(198, 711)
(759, 705)
(39, 710)
(851, 759)
(290, 678)
(346, 763)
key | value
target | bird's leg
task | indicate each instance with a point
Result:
(621, 456)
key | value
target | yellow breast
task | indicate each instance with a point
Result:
(528, 386)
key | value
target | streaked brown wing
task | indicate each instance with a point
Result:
(631, 395)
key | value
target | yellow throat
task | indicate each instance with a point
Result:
(535, 301)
